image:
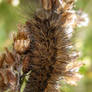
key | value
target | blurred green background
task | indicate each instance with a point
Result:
(10, 17)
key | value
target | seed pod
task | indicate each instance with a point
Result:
(1, 78)
(50, 4)
(3, 86)
(47, 4)
(22, 41)
(9, 58)
(2, 57)
(21, 45)
(12, 80)
(26, 63)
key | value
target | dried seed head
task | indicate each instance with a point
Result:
(43, 46)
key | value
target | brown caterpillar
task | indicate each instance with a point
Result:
(43, 46)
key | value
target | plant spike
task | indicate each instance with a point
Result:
(42, 51)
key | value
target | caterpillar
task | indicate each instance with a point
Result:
(43, 46)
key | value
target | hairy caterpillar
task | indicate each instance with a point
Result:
(43, 46)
